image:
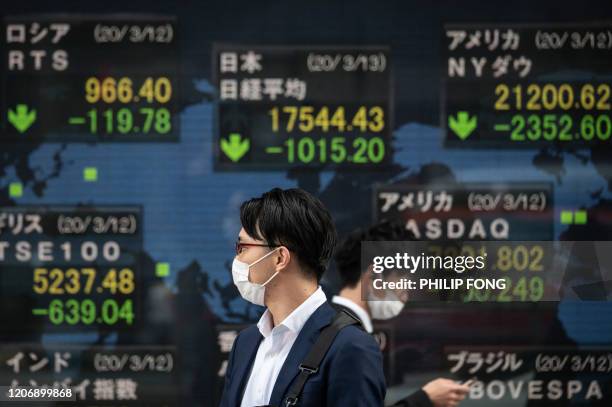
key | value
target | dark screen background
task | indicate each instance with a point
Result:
(190, 211)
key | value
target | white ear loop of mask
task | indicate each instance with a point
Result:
(260, 259)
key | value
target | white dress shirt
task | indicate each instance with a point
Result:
(360, 312)
(275, 347)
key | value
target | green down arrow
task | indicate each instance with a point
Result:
(463, 125)
(236, 147)
(22, 119)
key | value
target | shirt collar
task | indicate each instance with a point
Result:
(360, 312)
(297, 318)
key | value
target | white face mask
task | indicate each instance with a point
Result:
(385, 308)
(250, 291)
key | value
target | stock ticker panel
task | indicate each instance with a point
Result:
(115, 257)
(282, 107)
(527, 85)
(90, 79)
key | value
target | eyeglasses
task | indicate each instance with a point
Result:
(240, 245)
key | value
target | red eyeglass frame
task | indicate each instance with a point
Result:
(239, 245)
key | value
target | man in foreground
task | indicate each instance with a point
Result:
(283, 248)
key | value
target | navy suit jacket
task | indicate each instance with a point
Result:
(350, 374)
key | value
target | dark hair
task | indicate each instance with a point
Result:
(295, 219)
(348, 254)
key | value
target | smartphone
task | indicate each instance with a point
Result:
(470, 381)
